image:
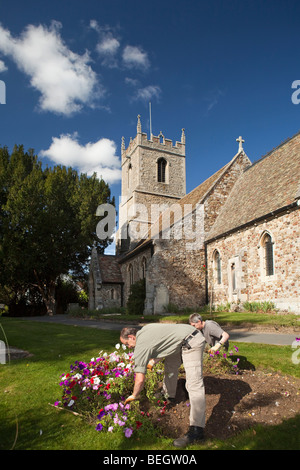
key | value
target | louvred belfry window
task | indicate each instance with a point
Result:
(161, 170)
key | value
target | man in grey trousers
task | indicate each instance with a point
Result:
(177, 343)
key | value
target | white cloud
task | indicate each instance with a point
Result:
(147, 93)
(3, 67)
(108, 46)
(143, 94)
(99, 157)
(135, 57)
(213, 98)
(64, 79)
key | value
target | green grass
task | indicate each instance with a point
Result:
(27, 386)
(223, 318)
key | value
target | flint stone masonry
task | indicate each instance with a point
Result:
(283, 287)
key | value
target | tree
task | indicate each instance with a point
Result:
(47, 222)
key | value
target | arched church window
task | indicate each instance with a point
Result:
(233, 277)
(217, 266)
(267, 243)
(161, 170)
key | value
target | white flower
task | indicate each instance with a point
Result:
(71, 402)
(77, 376)
(121, 364)
(117, 346)
(124, 347)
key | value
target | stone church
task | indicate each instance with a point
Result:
(234, 238)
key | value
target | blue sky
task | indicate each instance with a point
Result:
(77, 74)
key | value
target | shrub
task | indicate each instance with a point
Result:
(265, 306)
(221, 362)
(171, 308)
(136, 299)
(224, 307)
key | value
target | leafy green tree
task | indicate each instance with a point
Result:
(47, 223)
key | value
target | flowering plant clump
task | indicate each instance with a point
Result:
(221, 361)
(98, 388)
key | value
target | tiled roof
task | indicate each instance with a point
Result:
(110, 269)
(270, 184)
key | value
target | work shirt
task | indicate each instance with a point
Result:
(158, 340)
(212, 332)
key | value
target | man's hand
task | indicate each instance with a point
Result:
(129, 399)
(151, 363)
(215, 348)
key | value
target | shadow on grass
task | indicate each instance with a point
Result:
(52, 342)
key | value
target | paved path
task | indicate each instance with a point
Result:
(244, 335)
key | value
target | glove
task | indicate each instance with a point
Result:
(216, 347)
(129, 399)
(151, 363)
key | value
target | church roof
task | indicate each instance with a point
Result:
(110, 269)
(267, 186)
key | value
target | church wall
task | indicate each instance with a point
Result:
(136, 264)
(111, 295)
(175, 182)
(178, 270)
(243, 252)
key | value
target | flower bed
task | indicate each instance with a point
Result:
(98, 389)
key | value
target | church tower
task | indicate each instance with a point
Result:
(153, 178)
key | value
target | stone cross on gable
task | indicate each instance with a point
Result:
(240, 141)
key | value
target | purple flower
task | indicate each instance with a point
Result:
(128, 432)
(99, 427)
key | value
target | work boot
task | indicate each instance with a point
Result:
(194, 434)
(170, 402)
(166, 399)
